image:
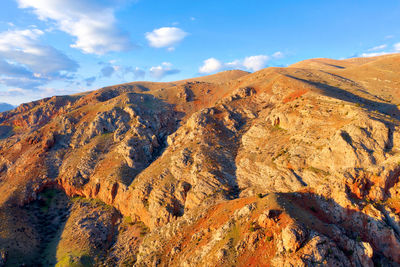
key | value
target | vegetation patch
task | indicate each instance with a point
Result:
(293, 96)
(318, 171)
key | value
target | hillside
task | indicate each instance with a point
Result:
(295, 166)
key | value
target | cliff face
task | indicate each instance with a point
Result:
(296, 165)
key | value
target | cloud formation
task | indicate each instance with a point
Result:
(159, 72)
(27, 63)
(89, 81)
(378, 47)
(17, 95)
(211, 65)
(375, 54)
(10, 69)
(91, 23)
(255, 63)
(251, 63)
(111, 68)
(375, 51)
(165, 37)
(107, 71)
(137, 72)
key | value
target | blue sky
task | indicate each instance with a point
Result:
(55, 47)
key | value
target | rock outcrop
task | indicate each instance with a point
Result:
(295, 166)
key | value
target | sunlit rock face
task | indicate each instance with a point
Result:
(285, 166)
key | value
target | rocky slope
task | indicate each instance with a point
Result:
(295, 166)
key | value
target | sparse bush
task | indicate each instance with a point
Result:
(318, 171)
(128, 220)
(129, 262)
(349, 253)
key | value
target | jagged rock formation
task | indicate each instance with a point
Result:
(295, 166)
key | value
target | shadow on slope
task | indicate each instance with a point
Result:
(325, 216)
(341, 94)
(31, 233)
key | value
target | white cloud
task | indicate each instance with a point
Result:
(165, 37)
(377, 48)
(397, 47)
(159, 72)
(251, 63)
(211, 65)
(374, 54)
(92, 24)
(25, 62)
(278, 55)
(255, 63)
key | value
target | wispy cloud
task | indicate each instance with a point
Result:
(92, 23)
(165, 37)
(89, 81)
(12, 69)
(17, 95)
(375, 54)
(159, 72)
(377, 48)
(376, 51)
(27, 63)
(137, 72)
(111, 68)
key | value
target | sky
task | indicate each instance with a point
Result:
(58, 47)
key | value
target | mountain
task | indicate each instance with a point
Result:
(5, 107)
(295, 166)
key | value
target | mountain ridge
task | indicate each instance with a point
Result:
(295, 165)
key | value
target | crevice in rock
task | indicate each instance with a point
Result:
(114, 191)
